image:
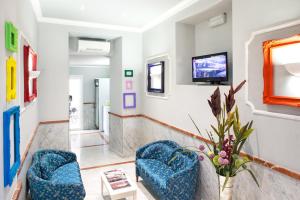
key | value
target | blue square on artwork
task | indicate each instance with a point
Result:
(10, 170)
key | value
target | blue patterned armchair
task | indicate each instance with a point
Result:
(55, 175)
(167, 170)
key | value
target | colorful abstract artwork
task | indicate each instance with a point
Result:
(11, 37)
(129, 100)
(30, 81)
(11, 79)
(11, 144)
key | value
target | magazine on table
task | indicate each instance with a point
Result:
(117, 178)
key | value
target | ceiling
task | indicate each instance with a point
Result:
(127, 13)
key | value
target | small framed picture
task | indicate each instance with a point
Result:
(128, 73)
(129, 100)
(128, 85)
(11, 37)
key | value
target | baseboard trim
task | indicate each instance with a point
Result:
(260, 161)
(55, 121)
(125, 116)
(17, 191)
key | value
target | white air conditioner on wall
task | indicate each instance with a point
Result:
(93, 47)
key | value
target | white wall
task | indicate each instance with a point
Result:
(116, 76)
(274, 139)
(21, 14)
(89, 74)
(54, 55)
(215, 39)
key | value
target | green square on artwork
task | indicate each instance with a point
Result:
(128, 73)
(11, 37)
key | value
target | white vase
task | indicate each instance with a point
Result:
(226, 194)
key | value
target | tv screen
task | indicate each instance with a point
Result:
(210, 68)
(156, 77)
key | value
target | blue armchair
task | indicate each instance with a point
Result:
(167, 170)
(55, 175)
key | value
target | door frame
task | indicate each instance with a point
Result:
(80, 77)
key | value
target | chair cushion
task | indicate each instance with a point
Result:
(49, 163)
(159, 151)
(155, 170)
(179, 162)
(67, 174)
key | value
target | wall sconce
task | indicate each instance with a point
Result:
(287, 55)
(293, 68)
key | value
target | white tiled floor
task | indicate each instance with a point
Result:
(81, 139)
(92, 182)
(93, 151)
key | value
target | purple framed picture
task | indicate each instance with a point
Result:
(128, 85)
(129, 100)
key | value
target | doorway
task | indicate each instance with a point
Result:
(75, 102)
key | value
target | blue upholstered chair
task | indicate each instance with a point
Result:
(167, 170)
(55, 175)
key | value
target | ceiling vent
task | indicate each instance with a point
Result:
(93, 46)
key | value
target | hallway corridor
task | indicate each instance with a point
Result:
(92, 149)
(94, 156)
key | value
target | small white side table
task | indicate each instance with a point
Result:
(118, 193)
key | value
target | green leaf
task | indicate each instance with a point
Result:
(235, 128)
(216, 131)
(235, 156)
(253, 176)
(226, 180)
(247, 133)
(199, 130)
(241, 146)
(237, 113)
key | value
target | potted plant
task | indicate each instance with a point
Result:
(227, 139)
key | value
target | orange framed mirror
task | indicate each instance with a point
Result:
(291, 61)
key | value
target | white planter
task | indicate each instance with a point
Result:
(226, 194)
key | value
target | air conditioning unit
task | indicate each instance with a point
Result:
(93, 47)
(217, 20)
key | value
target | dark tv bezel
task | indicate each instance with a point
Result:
(149, 89)
(211, 79)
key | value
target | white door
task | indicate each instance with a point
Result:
(76, 102)
(104, 99)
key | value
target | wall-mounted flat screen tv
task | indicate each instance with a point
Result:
(156, 77)
(210, 68)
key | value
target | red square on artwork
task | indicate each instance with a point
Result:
(268, 48)
(30, 83)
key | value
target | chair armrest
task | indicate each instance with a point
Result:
(69, 156)
(185, 174)
(38, 184)
(141, 150)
